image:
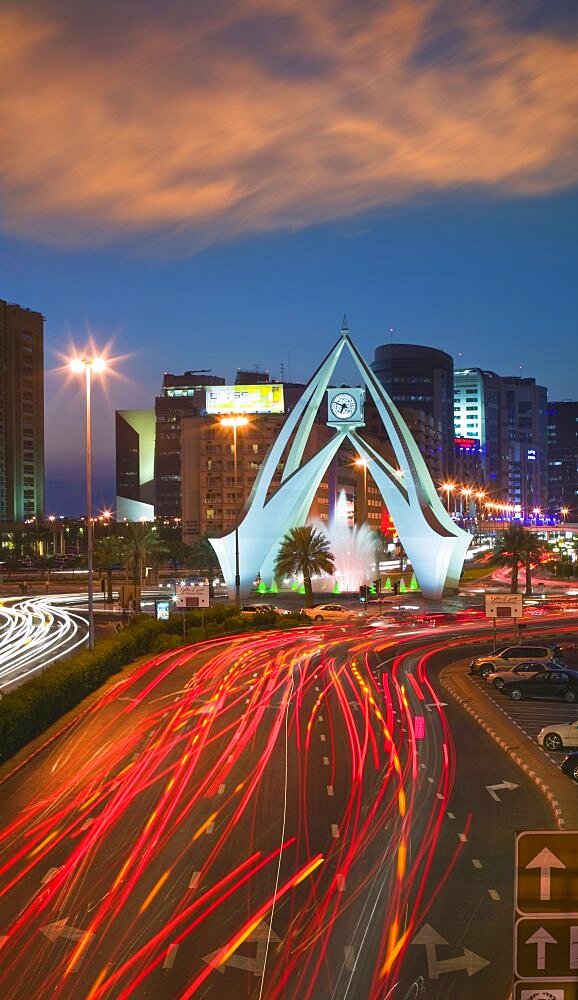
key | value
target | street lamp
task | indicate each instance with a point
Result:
(106, 516)
(361, 463)
(87, 366)
(235, 422)
(564, 512)
(449, 488)
(467, 492)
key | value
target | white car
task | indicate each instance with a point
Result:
(520, 672)
(559, 735)
(330, 613)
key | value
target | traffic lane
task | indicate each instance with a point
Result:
(475, 911)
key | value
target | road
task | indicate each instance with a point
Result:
(299, 815)
(35, 632)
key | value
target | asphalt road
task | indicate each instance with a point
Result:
(292, 816)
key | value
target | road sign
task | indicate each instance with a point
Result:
(546, 991)
(547, 872)
(546, 931)
(546, 946)
(504, 605)
(192, 596)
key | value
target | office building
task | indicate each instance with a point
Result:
(421, 379)
(562, 428)
(135, 460)
(21, 413)
(478, 427)
(524, 443)
(181, 396)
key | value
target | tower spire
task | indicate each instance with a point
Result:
(344, 326)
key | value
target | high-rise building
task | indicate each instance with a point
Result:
(181, 396)
(562, 423)
(477, 422)
(524, 443)
(21, 413)
(135, 460)
(421, 379)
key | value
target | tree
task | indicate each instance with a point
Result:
(108, 553)
(204, 558)
(304, 550)
(534, 549)
(141, 543)
(509, 550)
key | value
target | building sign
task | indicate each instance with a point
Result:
(188, 596)
(162, 610)
(504, 605)
(467, 443)
(546, 929)
(267, 398)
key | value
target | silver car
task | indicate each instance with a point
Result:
(522, 670)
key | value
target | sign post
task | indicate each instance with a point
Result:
(546, 925)
(504, 606)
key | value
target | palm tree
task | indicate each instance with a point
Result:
(304, 550)
(108, 553)
(204, 557)
(141, 543)
(509, 548)
(534, 549)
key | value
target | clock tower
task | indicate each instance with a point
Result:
(345, 407)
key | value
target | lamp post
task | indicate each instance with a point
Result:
(564, 512)
(467, 492)
(235, 422)
(87, 366)
(361, 463)
(449, 488)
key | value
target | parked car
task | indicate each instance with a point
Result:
(570, 765)
(508, 656)
(557, 685)
(559, 735)
(522, 670)
(330, 613)
(252, 610)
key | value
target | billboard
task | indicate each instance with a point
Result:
(266, 398)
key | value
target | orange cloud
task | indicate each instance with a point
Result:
(247, 116)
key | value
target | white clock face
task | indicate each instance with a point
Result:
(343, 405)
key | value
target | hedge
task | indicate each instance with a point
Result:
(34, 706)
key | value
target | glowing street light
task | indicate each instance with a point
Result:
(235, 422)
(88, 366)
(449, 488)
(564, 512)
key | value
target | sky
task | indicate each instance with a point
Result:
(213, 184)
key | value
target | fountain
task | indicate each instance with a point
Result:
(353, 548)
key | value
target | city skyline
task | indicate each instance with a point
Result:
(213, 190)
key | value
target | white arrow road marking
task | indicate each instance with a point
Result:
(451, 815)
(334, 831)
(468, 962)
(504, 786)
(48, 876)
(221, 790)
(61, 929)
(494, 894)
(436, 704)
(330, 790)
(194, 880)
(256, 965)
(545, 861)
(541, 938)
(170, 956)
(326, 761)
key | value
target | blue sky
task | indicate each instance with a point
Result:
(214, 191)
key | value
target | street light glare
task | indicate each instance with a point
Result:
(98, 365)
(234, 421)
(76, 365)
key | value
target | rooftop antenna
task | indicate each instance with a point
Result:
(460, 359)
(391, 333)
(282, 367)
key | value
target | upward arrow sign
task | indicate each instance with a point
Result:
(541, 938)
(545, 861)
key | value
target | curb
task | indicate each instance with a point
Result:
(549, 795)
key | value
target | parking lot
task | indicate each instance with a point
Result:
(530, 716)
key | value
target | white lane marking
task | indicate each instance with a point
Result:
(321, 718)
(170, 956)
(334, 831)
(330, 789)
(476, 863)
(48, 876)
(349, 952)
(194, 880)
(230, 758)
(462, 837)
(340, 883)
(326, 761)
(322, 737)
(430, 779)
(451, 815)
(494, 894)
(221, 790)
(210, 828)
(440, 795)
(88, 822)
(317, 688)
